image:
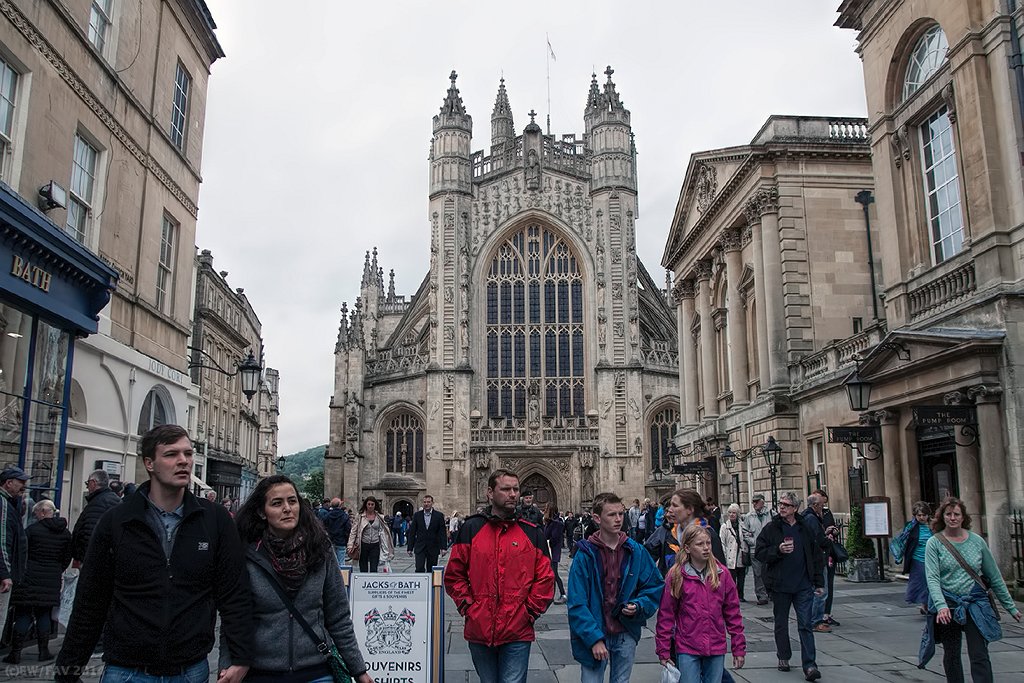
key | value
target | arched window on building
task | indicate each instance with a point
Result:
(157, 410)
(663, 428)
(928, 55)
(936, 147)
(403, 444)
(535, 326)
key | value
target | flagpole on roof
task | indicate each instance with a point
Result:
(550, 55)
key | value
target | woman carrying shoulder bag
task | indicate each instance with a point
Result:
(956, 562)
(731, 536)
(370, 540)
(294, 577)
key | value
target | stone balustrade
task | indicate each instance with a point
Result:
(943, 291)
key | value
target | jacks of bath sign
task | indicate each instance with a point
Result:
(397, 620)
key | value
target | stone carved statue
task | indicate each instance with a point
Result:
(532, 171)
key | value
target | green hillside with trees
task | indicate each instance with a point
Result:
(306, 468)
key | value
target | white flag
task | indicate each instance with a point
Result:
(550, 50)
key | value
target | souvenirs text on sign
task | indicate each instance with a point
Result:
(395, 617)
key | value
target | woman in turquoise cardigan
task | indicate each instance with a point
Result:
(962, 604)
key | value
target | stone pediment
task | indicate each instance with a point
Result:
(709, 178)
(904, 352)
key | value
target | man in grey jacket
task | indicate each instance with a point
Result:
(753, 522)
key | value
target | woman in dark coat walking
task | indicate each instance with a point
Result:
(49, 554)
(554, 532)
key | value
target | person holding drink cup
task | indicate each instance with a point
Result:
(788, 547)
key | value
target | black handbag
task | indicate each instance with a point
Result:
(330, 652)
(839, 553)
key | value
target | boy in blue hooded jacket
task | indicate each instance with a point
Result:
(614, 588)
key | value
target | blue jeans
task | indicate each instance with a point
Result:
(342, 554)
(802, 603)
(621, 652)
(818, 608)
(700, 669)
(196, 673)
(506, 663)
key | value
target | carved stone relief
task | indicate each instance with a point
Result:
(706, 186)
(502, 200)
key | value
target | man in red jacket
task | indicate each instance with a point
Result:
(500, 578)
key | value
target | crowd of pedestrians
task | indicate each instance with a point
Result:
(157, 564)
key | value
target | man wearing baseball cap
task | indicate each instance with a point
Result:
(13, 542)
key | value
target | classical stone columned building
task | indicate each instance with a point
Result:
(536, 342)
(769, 251)
(946, 137)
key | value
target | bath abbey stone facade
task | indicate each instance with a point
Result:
(537, 341)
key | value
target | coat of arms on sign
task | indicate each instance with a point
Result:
(389, 633)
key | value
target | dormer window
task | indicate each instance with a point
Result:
(928, 55)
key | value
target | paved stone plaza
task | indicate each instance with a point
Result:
(877, 641)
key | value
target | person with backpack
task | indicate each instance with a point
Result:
(699, 604)
(614, 588)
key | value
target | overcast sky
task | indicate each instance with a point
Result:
(318, 126)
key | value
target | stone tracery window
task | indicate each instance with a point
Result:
(928, 55)
(535, 326)
(663, 428)
(403, 444)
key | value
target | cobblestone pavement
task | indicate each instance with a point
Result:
(877, 641)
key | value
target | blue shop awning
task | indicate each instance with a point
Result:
(44, 269)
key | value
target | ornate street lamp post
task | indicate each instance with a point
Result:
(249, 370)
(772, 452)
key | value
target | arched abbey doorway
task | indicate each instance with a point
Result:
(543, 491)
(403, 506)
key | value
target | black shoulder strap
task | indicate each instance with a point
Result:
(321, 644)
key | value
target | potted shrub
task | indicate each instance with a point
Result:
(862, 565)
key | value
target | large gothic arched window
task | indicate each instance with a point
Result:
(403, 444)
(535, 326)
(663, 428)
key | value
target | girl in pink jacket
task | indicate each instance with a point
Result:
(699, 604)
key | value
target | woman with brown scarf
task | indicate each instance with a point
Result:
(288, 549)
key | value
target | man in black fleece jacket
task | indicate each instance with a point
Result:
(158, 568)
